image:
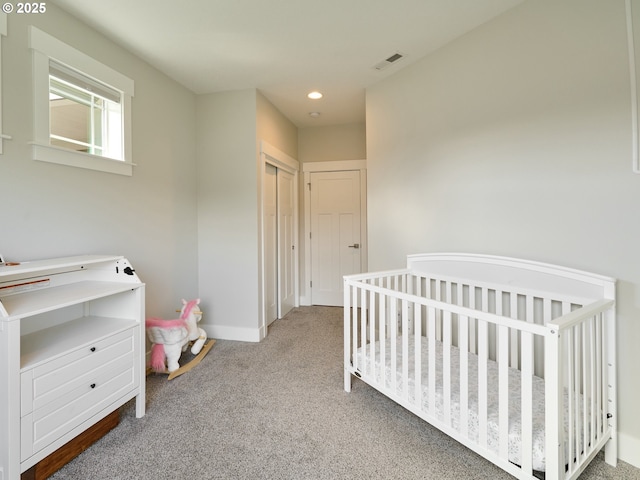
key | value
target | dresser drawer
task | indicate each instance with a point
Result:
(76, 405)
(50, 383)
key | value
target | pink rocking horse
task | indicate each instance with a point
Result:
(171, 337)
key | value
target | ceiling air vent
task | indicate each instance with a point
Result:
(388, 61)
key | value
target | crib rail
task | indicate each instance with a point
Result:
(459, 354)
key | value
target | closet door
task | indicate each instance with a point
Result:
(270, 225)
(286, 241)
(279, 230)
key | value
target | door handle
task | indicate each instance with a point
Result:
(355, 245)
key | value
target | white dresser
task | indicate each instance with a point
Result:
(72, 350)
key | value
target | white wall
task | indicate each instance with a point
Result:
(227, 213)
(332, 143)
(274, 128)
(230, 126)
(515, 140)
(51, 210)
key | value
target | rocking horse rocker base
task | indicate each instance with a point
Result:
(193, 362)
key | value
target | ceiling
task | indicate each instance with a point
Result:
(285, 48)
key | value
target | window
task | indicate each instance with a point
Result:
(84, 115)
(82, 108)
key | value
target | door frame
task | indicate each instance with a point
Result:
(332, 166)
(273, 156)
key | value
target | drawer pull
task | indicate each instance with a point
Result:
(93, 349)
(93, 385)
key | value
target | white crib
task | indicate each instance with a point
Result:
(512, 358)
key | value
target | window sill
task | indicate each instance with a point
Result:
(62, 156)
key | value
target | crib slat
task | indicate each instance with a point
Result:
(569, 382)
(483, 355)
(363, 328)
(601, 369)
(586, 387)
(393, 330)
(405, 348)
(515, 354)
(571, 388)
(586, 390)
(472, 326)
(383, 343)
(372, 333)
(446, 365)
(503, 387)
(499, 299)
(439, 312)
(417, 319)
(527, 362)
(595, 377)
(464, 375)
(410, 279)
(431, 333)
(498, 311)
(574, 395)
(593, 413)
(577, 377)
(530, 317)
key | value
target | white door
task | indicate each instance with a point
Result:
(270, 225)
(335, 233)
(286, 240)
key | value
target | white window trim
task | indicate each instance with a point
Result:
(45, 47)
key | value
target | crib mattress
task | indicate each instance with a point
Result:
(514, 442)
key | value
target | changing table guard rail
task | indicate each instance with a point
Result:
(514, 359)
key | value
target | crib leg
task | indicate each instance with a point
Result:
(611, 452)
(347, 381)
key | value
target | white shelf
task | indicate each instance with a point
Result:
(49, 343)
(34, 302)
(53, 265)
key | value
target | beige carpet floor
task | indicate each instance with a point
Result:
(277, 410)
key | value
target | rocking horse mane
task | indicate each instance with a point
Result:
(186, 311)
(159, 322)
(178, 322)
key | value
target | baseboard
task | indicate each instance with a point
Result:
(305, 301)
(223, 332)
(628, 448)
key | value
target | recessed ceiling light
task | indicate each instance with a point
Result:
(314, 114)
(314, 95)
